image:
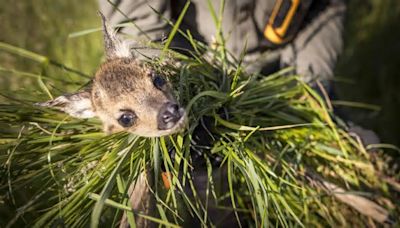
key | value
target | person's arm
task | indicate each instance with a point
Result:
(315, 50)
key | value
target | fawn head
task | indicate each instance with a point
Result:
(125, 94)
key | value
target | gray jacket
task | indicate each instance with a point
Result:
(313, 52)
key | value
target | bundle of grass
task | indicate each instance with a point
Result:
(275, 157)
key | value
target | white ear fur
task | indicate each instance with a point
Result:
(114, 47)
(77, 105)
(122, 50)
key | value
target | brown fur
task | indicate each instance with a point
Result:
(126, 84)
(122, 84)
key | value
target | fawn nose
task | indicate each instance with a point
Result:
(168, 116)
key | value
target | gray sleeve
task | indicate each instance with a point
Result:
(315, 50)
(149, 24)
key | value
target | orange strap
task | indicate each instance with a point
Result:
(277, 35)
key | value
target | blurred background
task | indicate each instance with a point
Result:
(368, 70)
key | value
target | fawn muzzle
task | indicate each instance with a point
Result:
(170, 113)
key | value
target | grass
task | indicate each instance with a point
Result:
(281, 145)
(43, 27)
(68, 161)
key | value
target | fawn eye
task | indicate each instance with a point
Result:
(127, 119)
(158, 82)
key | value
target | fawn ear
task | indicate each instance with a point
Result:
(76, 104)
(114, 48)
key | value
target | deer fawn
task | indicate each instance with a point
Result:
(127, 95)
